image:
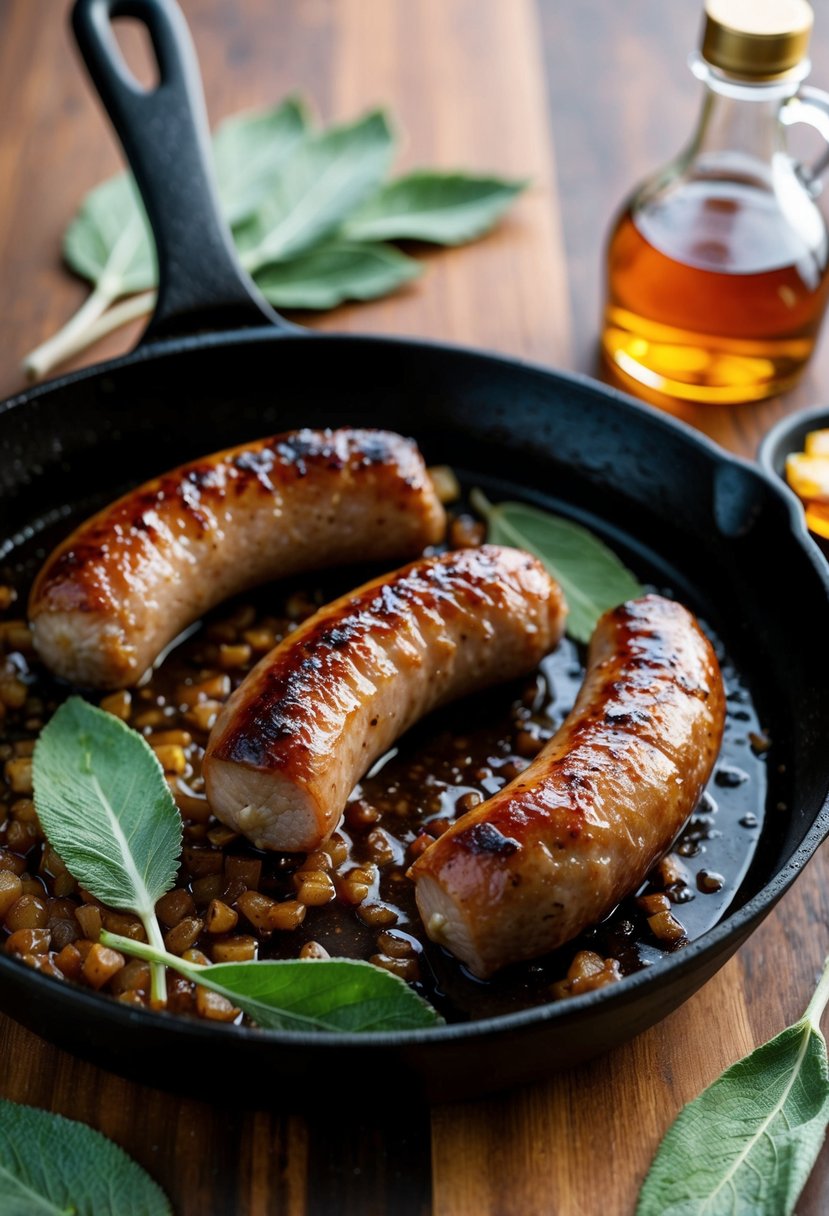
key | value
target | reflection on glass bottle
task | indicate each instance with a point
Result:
(717, 266)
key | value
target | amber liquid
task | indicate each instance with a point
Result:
(713, 296)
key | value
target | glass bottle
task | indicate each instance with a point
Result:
(717, 265)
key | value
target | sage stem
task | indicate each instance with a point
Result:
(130, 309)
(91, 323)
(158, 974)
(150, 952)
(72, 337)
(815, 1008)
(480, 503)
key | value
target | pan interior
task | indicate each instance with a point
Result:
(686, 521)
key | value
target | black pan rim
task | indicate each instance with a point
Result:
(160, 349)
(733, 927)
(561, 1013)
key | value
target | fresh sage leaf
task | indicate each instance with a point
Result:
(321, 182)
(52, 1166)
(326, 994)
(591, 576)
(249, 151)
(746, 1145)
(286, 191)
(443, 208)
(329, 274)
(103, 803)
(109, 242)
(303, 994)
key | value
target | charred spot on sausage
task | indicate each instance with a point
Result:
(485, 838)
(626, 717)
(337, 639)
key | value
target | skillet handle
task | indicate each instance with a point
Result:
(166, 139)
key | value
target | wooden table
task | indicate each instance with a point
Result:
(585, 98)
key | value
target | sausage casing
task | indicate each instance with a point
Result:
(311, 718)
(556, 849)
(115, 593)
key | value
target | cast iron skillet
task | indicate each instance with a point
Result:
(218, 367)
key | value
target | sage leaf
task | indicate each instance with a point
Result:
(746, 1145)
(443, 208)
(286, 190)
(249, 151)
(591, 576)
(103, 803)
(323, 994)
(52, 1166)
(109, 242)
(342, 995)
(321, 182)
(329, 274)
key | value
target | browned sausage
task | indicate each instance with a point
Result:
(310, 719)
(128, 581)
(557, 848)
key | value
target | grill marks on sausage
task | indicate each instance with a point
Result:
(199, 490)
(127, 581)
(598, 805)
(309, 720)
(265, 730)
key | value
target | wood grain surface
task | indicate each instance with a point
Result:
(584, 98)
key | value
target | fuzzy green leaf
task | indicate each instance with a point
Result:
(52, 1166)
(302, 994)
(328, 275)
(109, 239)
(335, 994)
(109, 242)
(286, 191)
(104, 805)
(249, 152)
(746, 1145)
(321, 182)
(443, 208)
(591, 576)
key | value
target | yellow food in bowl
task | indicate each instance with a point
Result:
(817, 443)
(807, 473)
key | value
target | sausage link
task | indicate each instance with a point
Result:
(114, 595)
(556, 849)
(312, 717)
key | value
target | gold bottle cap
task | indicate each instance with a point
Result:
(756, 39)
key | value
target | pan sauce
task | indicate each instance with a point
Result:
(443, 767)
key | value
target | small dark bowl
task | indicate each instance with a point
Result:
(787, 436)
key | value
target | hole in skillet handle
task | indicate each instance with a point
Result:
(137, 55)
(166, 139)
(788, 436)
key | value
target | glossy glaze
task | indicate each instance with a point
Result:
(316, 712)
(129, 580)
(556, 849)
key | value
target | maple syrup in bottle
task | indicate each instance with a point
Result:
(718, 266)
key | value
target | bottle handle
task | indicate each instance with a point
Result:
(810, 106)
